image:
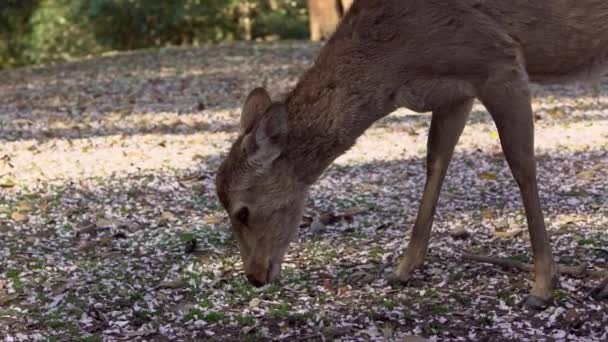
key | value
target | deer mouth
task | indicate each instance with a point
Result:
(259, 279)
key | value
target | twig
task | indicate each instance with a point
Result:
(574, 271)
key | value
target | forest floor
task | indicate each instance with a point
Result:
(110, 228)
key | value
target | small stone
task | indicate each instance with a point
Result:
(317, 227)
(459, 233)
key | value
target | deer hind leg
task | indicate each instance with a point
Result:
(507, 98)
(447, 124)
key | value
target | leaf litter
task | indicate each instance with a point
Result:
(110, 228)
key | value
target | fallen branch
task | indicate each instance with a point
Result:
(574, 271)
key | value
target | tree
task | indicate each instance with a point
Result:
(324, 16)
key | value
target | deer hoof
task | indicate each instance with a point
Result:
(537, 303)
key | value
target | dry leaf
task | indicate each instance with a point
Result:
(7, 183)
(324, 275)
(24, 206)
(212, 219)
(586, 175)
(508, 234)
(342, 291)
(254, 303)
(556, 114)
(104, 223)
(18, 216)
(488, 214)
(283, 327)
(487, 176)
(569, 219)
(327, 284)
(167, 215)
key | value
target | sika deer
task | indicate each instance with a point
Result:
(426, 55)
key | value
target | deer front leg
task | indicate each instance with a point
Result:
(446, 127)
(508, 101)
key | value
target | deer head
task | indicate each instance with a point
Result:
(259, 190)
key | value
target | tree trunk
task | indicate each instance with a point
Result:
(273, 4)
(245, 20)
(324, 16)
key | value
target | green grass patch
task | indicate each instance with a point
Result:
(560, 295)
(245, 320)
(439, 309)
(506, 297)
(136, 296)
(214, 317)
(376, 252)
(389, 304)
(280, 311)
(13, 275)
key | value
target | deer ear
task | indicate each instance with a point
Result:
(256, 104)
(269, 136)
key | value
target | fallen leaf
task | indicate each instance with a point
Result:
(569, 219)
(327, 284)
(212, 219)
(508, 234)
(586, 175)
(167, 215)
(254, 303)
(7, 183)
(342, 291)
(487, 176)
(105, 223)
(324, 275)
(176, 284)
(556, 114)
(18, 216)
(283, 327)
(24, 206)
(488, 214)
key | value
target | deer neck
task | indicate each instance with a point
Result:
(327, 114)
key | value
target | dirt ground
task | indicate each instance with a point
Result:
(110, 228)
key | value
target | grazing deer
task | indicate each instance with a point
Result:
(426, 55)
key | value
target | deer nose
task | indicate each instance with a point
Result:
(259, 275)
(255, 281)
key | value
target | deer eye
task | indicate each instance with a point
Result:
(243, 215)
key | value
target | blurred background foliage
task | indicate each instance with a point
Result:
(42, 31)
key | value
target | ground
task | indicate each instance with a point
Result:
(110, 228)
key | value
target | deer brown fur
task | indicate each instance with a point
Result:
(426, 55)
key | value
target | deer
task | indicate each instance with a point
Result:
(434, 56)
